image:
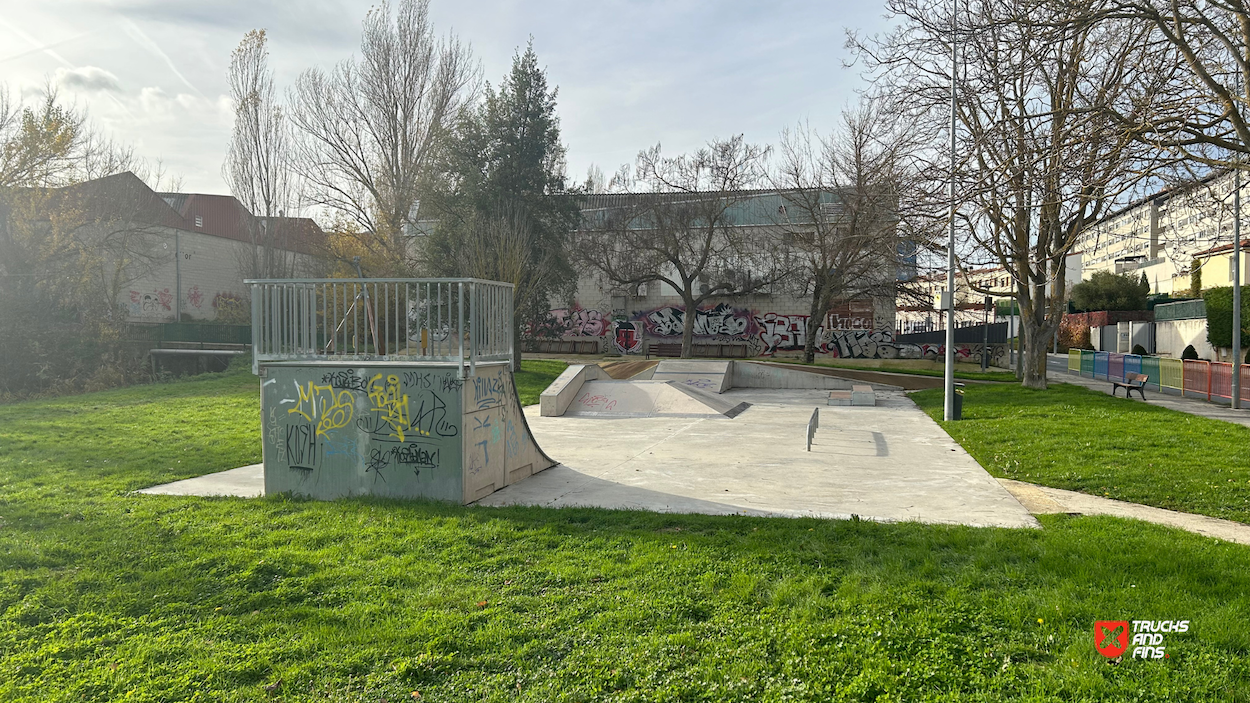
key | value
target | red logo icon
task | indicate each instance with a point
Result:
(1111, 637)
(627, 339)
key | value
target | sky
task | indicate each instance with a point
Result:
(631, 74)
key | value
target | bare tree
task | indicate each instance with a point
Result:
(842, 195)
(368, 128)
(1199, 50)
(680, 228)
(258, 166)
(501, 246)
(1039, 162)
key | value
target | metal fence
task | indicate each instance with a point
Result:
(1192, 378)
(396, 320)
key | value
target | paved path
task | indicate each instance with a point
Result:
(243, 482)
(1041, 500)
(888, 463)
(1193, 406)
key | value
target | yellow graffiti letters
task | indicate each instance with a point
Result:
(330, 409)
(390, 404)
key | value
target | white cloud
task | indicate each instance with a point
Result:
(159, 106)
(88, 79)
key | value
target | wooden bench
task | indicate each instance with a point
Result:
(1131, 382)
(662, 349)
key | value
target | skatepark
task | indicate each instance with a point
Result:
(681, 436)
(729, 437)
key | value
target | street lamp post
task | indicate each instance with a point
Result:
(1236, 389)
(1236, 385)
(948, 375)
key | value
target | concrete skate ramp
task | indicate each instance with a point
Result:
(609, 399)
(705, 375)
(621, 370)
(749, 374)
(881, 380)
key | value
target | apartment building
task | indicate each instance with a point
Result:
(1164, 234)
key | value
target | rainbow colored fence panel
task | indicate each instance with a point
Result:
(1087, 362)
(1115, 367)
(1221, 380)
(1245, 381)
(1150, 367)
(1074, 361)
(1132, 364)
(1198, 377)
(1172, 374)
(1100, 364)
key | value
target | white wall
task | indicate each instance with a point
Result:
(1172, 336)
(208, 266)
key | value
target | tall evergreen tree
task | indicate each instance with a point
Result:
(496, 219)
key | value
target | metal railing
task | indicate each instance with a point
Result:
(460, 321)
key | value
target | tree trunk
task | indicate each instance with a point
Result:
(687, 324)
(813, 324)
(1037, 337)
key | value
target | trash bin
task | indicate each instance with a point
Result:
(959, 402)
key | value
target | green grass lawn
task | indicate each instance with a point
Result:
(108, 596)
(914, 367)
(534, 377)
(1071, 437)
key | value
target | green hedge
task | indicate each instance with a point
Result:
(1219, 302)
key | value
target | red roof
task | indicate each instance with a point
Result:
(1245, 243)
(125, 195)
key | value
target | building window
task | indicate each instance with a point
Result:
(199, 221)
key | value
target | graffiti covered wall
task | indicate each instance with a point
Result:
(771, 326)
(394, 431)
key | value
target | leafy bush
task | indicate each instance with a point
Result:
(1109, 291)
(1074, 333)
(1220, 316)
(1139, 350)
(1189, 353)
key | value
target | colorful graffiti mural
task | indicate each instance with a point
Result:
(148, 304)
(782, 332)
(849, 330)
(627, 336)
(570, 322)
(851, 315)
(721, 321)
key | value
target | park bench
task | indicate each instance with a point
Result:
(662, 349)
(1131, 382)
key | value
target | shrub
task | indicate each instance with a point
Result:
(1109, 291)
(1189, 353)
(1139, 350)
(1220, 316)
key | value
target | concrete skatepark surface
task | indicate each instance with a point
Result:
(889, 463)
(623, 399)
(723, 438)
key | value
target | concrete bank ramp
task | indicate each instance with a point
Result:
(753, 374)
(609, 399)
(706, 375)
